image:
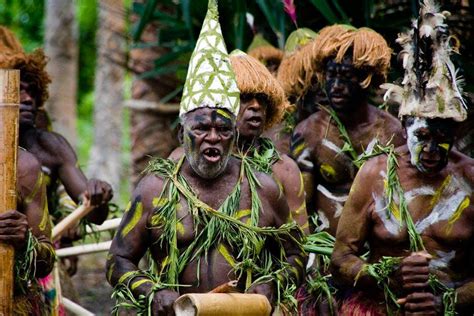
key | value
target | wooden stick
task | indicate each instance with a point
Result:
(9, 113)
(84, 249)
(229, 287)
(144, 105)
(71, 220)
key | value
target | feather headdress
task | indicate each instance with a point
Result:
(431, 86)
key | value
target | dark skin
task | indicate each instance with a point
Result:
(447, 236)
(203, 129)
(250, 125)
(316, 142)
(54, 152)
(305, 106)
(31, 214)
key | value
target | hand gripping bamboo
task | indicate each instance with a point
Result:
(9, 113)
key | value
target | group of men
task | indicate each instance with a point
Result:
(395, 194)
(256, 178)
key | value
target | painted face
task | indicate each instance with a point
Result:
(252, 115)
(208, 138)
(28, 104)
(308, 103)
(342, 85)
(429, 142)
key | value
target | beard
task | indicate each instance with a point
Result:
(202, 167)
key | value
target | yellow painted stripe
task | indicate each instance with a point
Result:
(224, 113)
(440, 190)
(159, 202)
(180, 228)
(140, 282)
(301, 191)
(445, 146)
(134, 221)
(300, 209)
(225, 253)
(299, 149)
(126, 275)
(242, 213)
(129, 205)
(327, 170)
(44, 217)
(36, 188)
(462, 206)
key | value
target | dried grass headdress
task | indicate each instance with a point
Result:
(370, 52)
(31, 65)
(263, 51)
(431, 87)
(253, 78)
(295, 73)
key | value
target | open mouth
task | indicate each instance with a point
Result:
(255, 121)
(212, 154)
(430, 163)
(26, 116)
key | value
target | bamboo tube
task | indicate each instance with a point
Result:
(9, 112)
(107, 225)
(75, 308)
(71, 220)
(213, 304)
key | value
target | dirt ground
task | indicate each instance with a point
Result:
(92, 288)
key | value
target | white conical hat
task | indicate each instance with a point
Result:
(430, 85)
(210, 81)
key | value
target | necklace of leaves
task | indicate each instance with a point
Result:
(387, 265)
(212, 227)
(261, 156)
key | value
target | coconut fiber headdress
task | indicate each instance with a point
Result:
(31, 66)
(370, 52)
(296, 71)
(263, 51)
(430, 85)
(254, 78)
(210, 81)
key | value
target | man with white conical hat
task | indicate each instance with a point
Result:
(208, 218)
(413, 206)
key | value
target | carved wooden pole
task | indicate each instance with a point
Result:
(9, 112)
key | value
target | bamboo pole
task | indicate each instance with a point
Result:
(107, 225)
(71, 220)
(84, 249)
(9, 112)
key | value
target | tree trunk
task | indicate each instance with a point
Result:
(152, 134)
(61, 47)
(105, 161)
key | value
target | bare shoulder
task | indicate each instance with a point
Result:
(464, 165)
(311, 124)
(285, 167)
(56, 145)
(268, 188)
(149, 187)
(176, 154)
(391, 126)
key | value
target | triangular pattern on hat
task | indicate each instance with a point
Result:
(210, 81)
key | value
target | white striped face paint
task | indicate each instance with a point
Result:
(415, 145)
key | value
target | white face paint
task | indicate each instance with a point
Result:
(415, 145)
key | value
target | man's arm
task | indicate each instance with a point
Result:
(33, 204)
(98, 192)
(131, 241)
(287, 173)
(303, 155)
(352, 232)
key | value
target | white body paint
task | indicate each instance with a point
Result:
(330, 145)
(443, 259)
(412, 141)
(338, 200)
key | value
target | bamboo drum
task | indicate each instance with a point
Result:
(214, 304)
(9, 112)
